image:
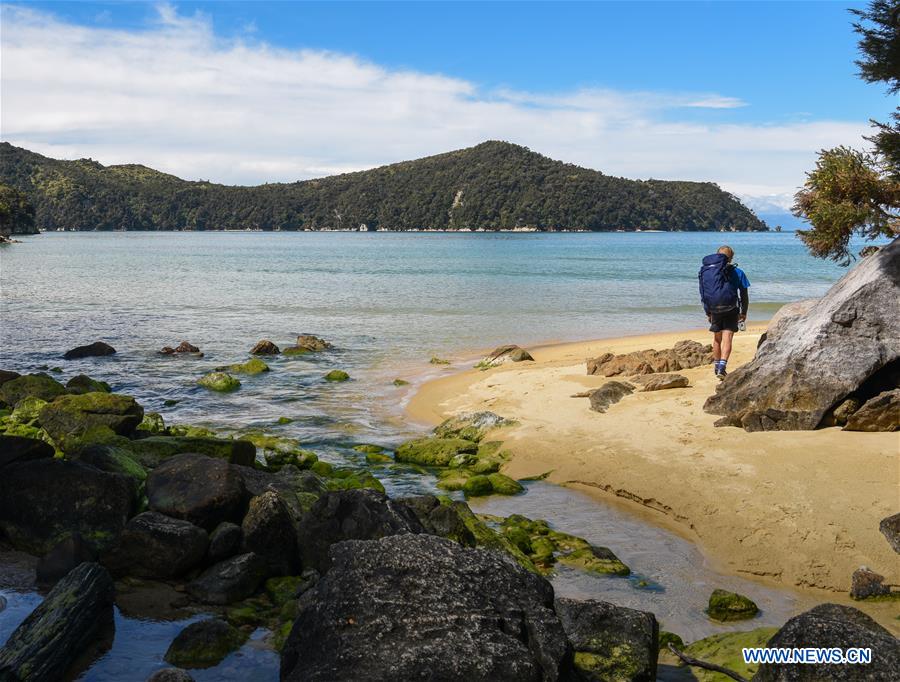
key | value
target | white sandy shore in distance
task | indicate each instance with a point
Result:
(796, 508)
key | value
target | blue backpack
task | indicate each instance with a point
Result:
(717, 292)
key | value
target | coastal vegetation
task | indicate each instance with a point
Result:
(492, 186)
(851, 191)
(16, 212)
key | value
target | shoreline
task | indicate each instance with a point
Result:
(787, 509)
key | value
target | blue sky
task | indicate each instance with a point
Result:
(738, 93)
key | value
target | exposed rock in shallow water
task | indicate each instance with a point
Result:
(199, 489)
(727, 606)
(831, 625)
(31, 385)
(152, 451)
(337, 375)
(44, 500)
(661, 382)
(96, 349)
(252, 366)
(20, 449)
(890, 528)
(312, 343)
(82, 383)
(204, 644)
(76, 617)
(422, 607)
(351, 515)
(183, 347)
(881, 413)
(609, 394)
(265, 347)
(813, 361)
(156, 546)
(434, 451)
(684, 355)
(230, 580)
(74, 420)
(219, 381)
(611, 642)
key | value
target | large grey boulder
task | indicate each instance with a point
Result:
(268, 530)
(831, 625)
(230, 580)
(76, 616)
(156, 546)
(351, 515)
(811, 362)
(611, 642)
(420, 607)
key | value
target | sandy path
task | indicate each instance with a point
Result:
(795, 508)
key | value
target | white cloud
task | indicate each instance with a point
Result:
(177, 97)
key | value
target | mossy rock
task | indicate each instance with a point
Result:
(477, 486)
(219, 381)
(295, 351)
(281, 421)
(487, 537)
(504, 485)
(368, 448)
(152, 451)
(306, 500)
(302, 459)
(191, 431)
(519, 538)
(725, 606)
(204, 644)
(31, 385)
(726, 650)
(348, 479)
(486, 466)
(82, 383)
(152, 423)
(462, 461)
(323, 469)
(453, 479)
(252, 366)
(378, 458)
(114, 459)
(28, 410)
(74, 421)
(490, 448)
(170, 402)
(595, 560)
(283, 589)
(438, 361)
(434, 451)
(337, 375)
(400, 382)
(666, 638)
(621, 666)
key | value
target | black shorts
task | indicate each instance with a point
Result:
(727, 321)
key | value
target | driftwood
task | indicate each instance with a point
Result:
(697, 663)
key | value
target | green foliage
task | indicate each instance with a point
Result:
(494, 185)
(846, 194)
(16, 212)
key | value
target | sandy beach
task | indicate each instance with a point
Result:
(800, 509)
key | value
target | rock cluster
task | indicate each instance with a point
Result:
(184, 347)
(685, 355)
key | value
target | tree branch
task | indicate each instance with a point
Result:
(687, 660)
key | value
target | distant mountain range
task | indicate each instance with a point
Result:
(492, 186)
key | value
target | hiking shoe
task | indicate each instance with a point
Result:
(721, 374)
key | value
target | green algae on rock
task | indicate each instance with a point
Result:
(252, 366)
(82, 383)
(295, 350)
(726, 650)
(219, 381)
(337, 375)
(368, 448)
(400, 382)
(204, 644)
(727, 606)
(378, 458)
(433, 451)
(76, 420)
(153, 423)
(151, 452)
(472, 426)
(504, 485)
(36, 385)
(438, 361)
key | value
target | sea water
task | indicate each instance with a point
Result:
(389, 303)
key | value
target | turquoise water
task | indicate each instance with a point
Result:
(388, 302)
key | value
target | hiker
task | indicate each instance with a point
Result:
(723, 292)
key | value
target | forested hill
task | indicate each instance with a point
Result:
(494, 185)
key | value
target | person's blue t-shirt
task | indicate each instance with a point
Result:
(739, 279)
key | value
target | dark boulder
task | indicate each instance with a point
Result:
(611, 642)
(890, 528)
(73, 420)
(422, 607)
(350, 515)
(204, 644)
(440, 519)
(65, 555)
(75, 620)
(269, 531)
(881, 413)
(96, 349)
(30, 386)
(224, 541)
(203, 490)
(21, 449)
(230, 580)
(831, 625)
(265, 347)
(183, 347)
(813, 361)
(170, 675)
(156, 546)
(153, 450)
(312, 343)
(609, 394)
(7, 375)
(865, 583)
(82, 383)
(44, 500)
(113, 459)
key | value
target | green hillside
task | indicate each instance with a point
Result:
(494, 185)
